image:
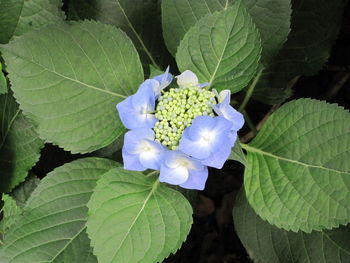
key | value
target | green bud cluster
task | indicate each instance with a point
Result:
(177, 108)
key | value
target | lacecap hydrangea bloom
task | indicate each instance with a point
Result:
(179, 130)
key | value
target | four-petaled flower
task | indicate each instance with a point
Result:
(179, 132)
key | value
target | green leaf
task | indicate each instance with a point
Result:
(191, 195)
(139, 19)
(20, 16)
(52, 227)
(313, 32)
(268, 244)
(222, 49)
(178, 16)
(23, 191)
(134, 218)
(298, 173)
(272, 18)
(10, 211)
(69, 78)
(3, 82)
(237, 154)
(154, 71)
(19, 144)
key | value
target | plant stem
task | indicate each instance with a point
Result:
(249, 122)
(250, 90)
(250, 135)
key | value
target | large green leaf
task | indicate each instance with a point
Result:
(19, 144)
(139, 19)
(134, 218)
(272, 17)
(314, 28)
(52, 227)
(69, 78)
(20, 16)
(298, 173)
(222, 49)
(178, 16)
(268, 244)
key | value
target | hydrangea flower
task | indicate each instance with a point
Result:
(179, 131)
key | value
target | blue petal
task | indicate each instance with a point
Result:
(198, 124)
(131, 162)
(193, 140)
(132, 139)
(229, 113)
(176, 166)
(174, 176)
(153, 158)
(218, 158)
(233, 137)
(164, 80)
(193, 148)
(202, 85)
(145, 97)
(139, 116)
(196, 179)
(125, 109)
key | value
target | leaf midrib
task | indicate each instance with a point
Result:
(137, 35)
(68, 78)
(261, 152)
(153, 189)
(223, 50)
(8, 128)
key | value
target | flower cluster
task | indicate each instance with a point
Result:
(180, 131)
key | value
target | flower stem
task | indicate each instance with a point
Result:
(250, 90)
(249, 122)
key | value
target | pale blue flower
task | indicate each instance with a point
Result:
(206, 140)
(136, 111)
(163, 80)
(224, 109)
(140, 151)
(179, 169)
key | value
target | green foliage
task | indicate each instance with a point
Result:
(178, 16)
(23, 191)
(222, 49)
(74, 105)
(237, 154)
(52, 226)
(19, 144)
(272, 18)
(20, 16)
(268, 244)
(298, 168)
(314, 28)
(134, 218)
(3, 81)
(139, 19)
(9, 212)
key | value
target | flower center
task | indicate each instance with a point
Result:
(176, 110)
